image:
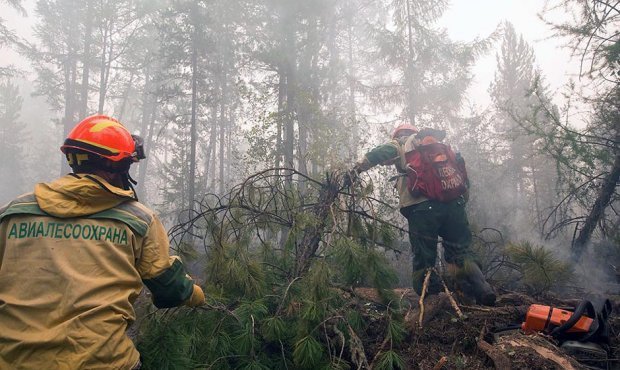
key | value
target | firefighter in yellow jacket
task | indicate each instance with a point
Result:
(74, 255)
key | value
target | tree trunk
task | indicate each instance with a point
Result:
(146, 129)
(314, 232)
(148, 145)
(355, 136)
(279, 150)
(539, 219)
(193, 136)
(121, 112)
(307, 103)
(210, 152)
(290, 54)
(280, 117)
(69, 113)
(410, 70)
(102, 65)
(229, 142)
(605, 193)
(88, 30)
(222, 140)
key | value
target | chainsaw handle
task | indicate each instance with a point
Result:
(584, 306)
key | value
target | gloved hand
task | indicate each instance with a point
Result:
(466, 196)
(351, 175)
(197, 298)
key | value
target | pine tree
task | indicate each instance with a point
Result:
(16, 4)
(200, 84)
(588, 21)
(277, 308)
(59, 35)
(84, 40)
(590, 160)
(310, 92)
(185, 41)
(12, 139)
(522, 167)
(7, 38)
(432, 70)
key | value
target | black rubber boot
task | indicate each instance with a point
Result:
(473, 284)
(434, 285)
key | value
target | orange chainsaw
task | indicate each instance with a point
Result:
(582, 332)
(587, 322)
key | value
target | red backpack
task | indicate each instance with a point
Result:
(434, 171)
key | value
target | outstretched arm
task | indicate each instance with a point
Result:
(165, 275)
(385, 154)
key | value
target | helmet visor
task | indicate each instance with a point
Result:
(138, 153)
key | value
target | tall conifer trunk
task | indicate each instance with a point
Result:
(603, 198)
(410, 69)
(146, 129)
(193, 135)
(69, 112)
(351, 103)
(102, 68)
(88, 30)
(222, 132)
(280, 117)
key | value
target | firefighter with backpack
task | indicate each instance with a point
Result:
(76, 253)
(432, 188)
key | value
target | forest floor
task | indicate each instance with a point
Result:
(445, 341)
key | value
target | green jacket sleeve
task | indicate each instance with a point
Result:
(163, 274)
(385, 154)
(171, 288)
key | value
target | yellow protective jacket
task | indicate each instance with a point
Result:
(73, 258)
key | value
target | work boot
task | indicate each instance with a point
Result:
(434, 305)
(472, 282)
(434, 285)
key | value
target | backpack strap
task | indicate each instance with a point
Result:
(403, 148)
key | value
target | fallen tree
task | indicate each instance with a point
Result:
(279, 260)
(287, 272)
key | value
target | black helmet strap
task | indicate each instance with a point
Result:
(128, 184)
(85, 162)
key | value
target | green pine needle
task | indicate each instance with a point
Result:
(396, 331)
(254, 365)
(308, 352)
(274, 329)
(390, 360)
(541, 269)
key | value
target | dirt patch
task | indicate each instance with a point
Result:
(446, 341)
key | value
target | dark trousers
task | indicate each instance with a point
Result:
(429, 220)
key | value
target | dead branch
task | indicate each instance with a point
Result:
(561, 361)
(500, 360)
(427, 278)
(450, 297)
(312, 235)
(379, 351)
(442, 361)
(358, 355)
(341, 338)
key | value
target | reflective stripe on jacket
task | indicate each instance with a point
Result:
(73, 258)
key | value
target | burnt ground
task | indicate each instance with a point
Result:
(446, 341)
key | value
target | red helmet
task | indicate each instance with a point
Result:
(403, 127)
(105, 137)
